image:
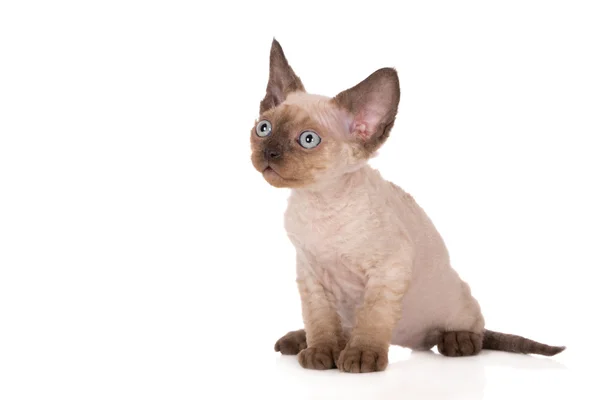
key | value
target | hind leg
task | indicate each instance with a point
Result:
(460, 343)
(292, 343)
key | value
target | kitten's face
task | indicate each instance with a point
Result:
(304, 140)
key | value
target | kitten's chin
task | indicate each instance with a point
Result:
(276, 180)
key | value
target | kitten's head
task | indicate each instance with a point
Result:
(304, 140)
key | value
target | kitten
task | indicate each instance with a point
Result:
(372, 269)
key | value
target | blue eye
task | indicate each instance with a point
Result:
(309, 139)
(263, 128)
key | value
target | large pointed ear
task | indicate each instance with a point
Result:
(282, 79)
(373, 105)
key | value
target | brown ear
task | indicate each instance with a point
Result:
(282, 79)
(373, 105)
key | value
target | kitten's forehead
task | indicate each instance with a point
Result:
(317, 110)
(306, 100)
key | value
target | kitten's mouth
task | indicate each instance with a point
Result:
(275, 178)
(269, 172)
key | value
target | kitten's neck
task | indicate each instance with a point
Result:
(340, 188)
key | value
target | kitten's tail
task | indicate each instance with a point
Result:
(517, 344)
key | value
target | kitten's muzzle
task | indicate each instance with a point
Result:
(272, 153)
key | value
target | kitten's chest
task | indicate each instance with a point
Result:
(329, 234)
(333, 239)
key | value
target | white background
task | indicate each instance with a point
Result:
(141, 256)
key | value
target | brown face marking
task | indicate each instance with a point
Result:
(352, 126)
(294, 166)
(292, 342)
(460, 344)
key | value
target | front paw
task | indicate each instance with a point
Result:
(318, 357)
(362, 359)
(292, 342)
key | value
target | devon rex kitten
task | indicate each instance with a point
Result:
(372, 269)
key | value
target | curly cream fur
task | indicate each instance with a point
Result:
(372, 269)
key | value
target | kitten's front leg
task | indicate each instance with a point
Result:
(367, 349)
(321, 322)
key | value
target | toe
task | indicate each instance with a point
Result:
(316, 358)
(357, 360)
(450, 344)
(291, 343)
(477, 340)
(465, 344)
(368, 361)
